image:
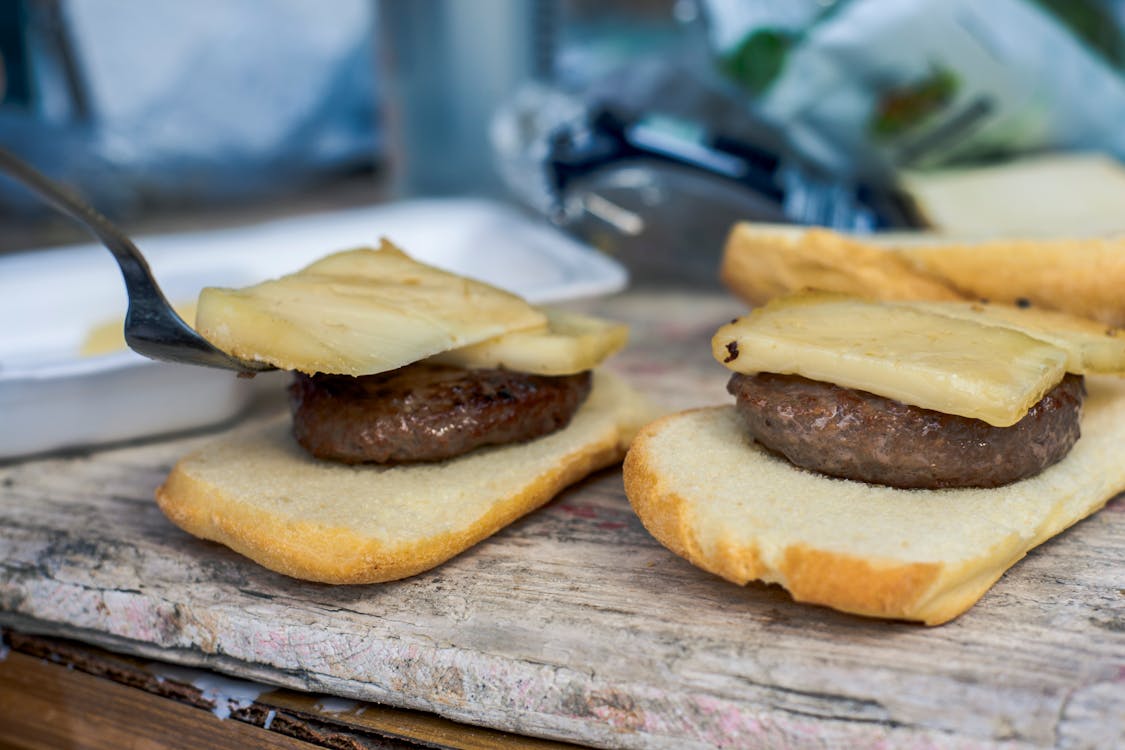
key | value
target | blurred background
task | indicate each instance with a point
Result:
(641, 127)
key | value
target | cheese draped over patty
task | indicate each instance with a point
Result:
(986, 362)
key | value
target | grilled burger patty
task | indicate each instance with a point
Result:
(858, 435)
(425, 412)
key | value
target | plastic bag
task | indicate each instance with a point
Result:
(866, 87)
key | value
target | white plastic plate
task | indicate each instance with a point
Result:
(52, 398)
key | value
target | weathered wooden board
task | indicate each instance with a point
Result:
(573, 623)
(47, 681)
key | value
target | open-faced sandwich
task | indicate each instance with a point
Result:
(428, 411)
(890, 459)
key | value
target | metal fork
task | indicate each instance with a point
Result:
(152, 327)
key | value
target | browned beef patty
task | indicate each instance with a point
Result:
(425, 412)
(858, 435)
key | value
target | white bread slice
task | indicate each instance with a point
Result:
(261, 495)
(1081, 276)
(711, 495)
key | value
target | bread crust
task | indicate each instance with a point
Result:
(762, 263)
(1083, 277)
(206, 494)
(724, 510)
(314, 552)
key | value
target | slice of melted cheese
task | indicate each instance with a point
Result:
(955, 365)
(1091, 347)
(571, 343)
(359, 312)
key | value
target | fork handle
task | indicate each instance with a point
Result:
(152, 327)
(151, 320)
(134, 267)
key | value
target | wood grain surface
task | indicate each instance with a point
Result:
(573, 623)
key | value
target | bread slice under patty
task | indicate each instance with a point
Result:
(711, 495)
(261, 495)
